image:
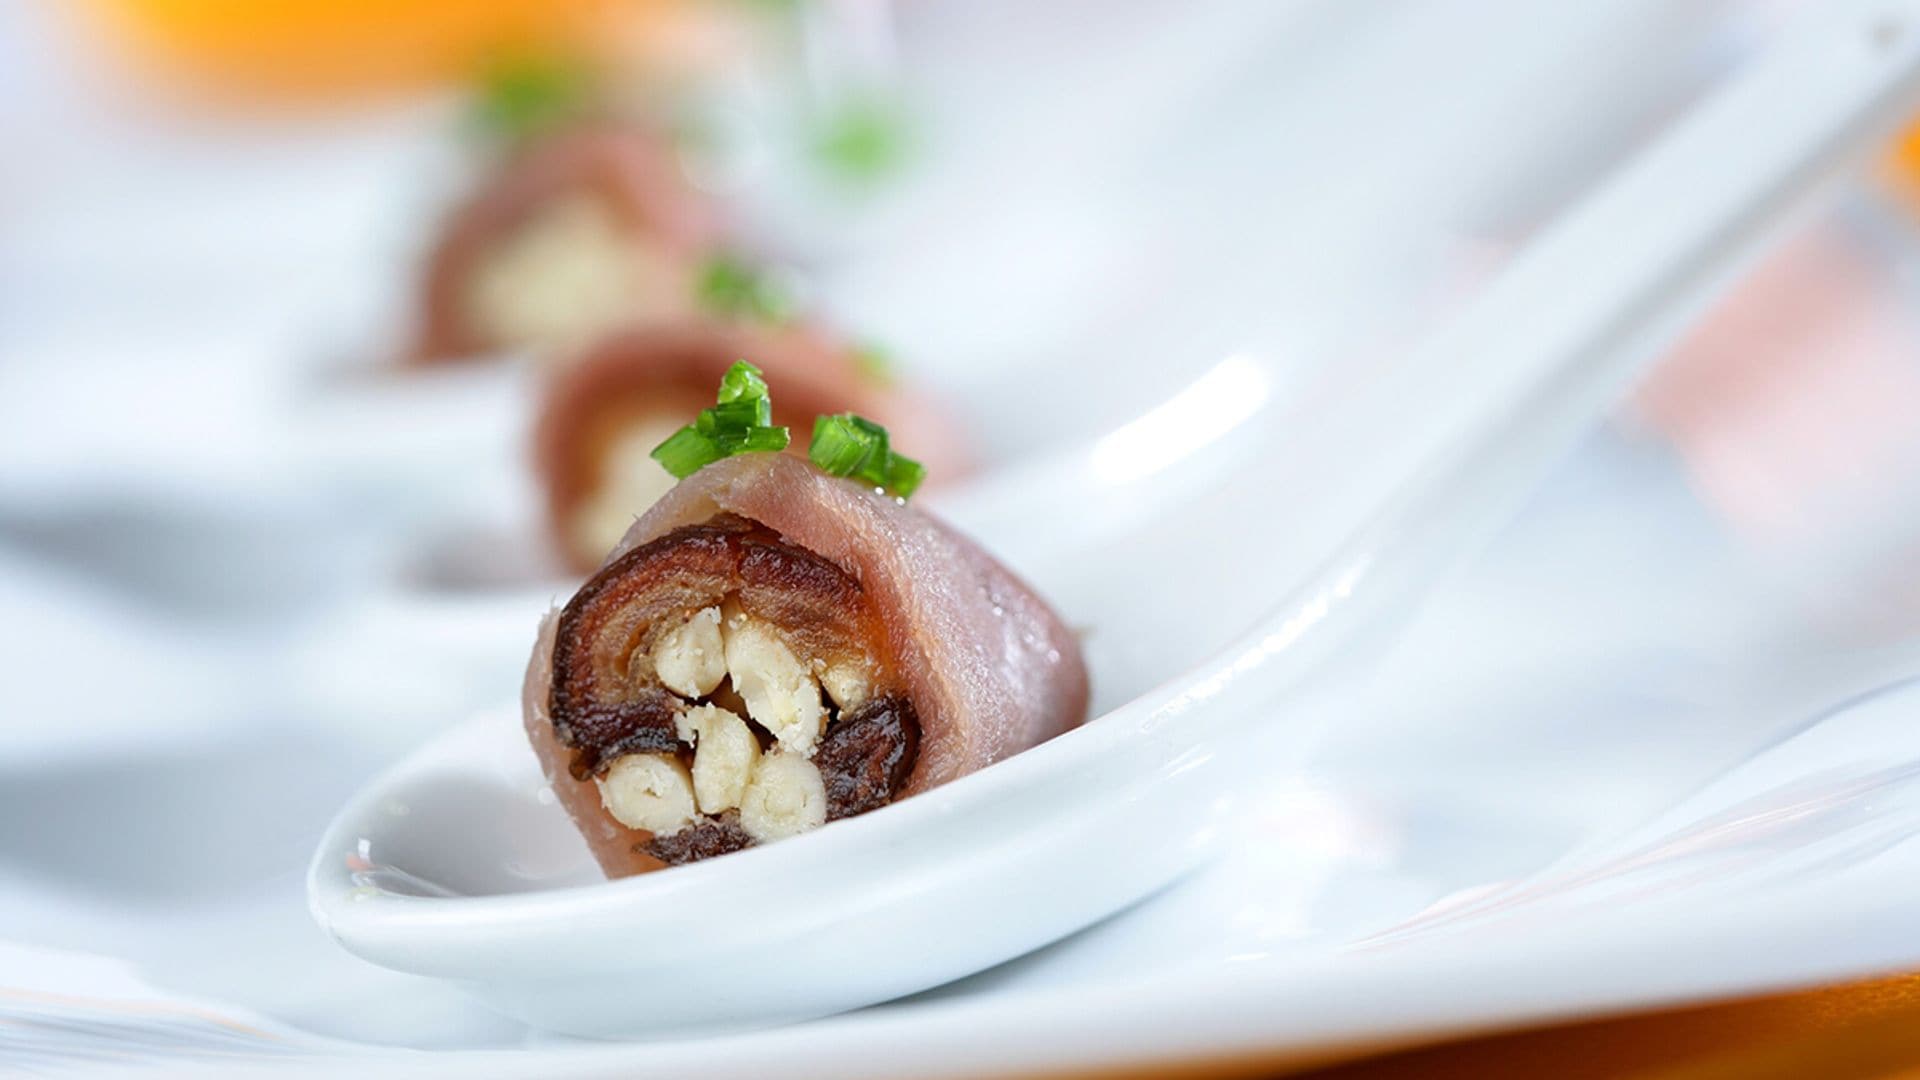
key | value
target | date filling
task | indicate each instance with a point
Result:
(723, 687)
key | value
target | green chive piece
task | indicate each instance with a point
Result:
(904, 475)
(738, 415)
(760, 439)
(838, 447)
(686, 452)
(741, 421)
(731, 288)
(742, 382)
(845, 444)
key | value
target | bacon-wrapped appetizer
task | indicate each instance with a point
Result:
(579, 230)
(604, 412)
(781, 642)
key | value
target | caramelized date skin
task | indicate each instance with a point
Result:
(604, 698)
(721, 836)
(604, 731)
(596, 712)
(866, 757)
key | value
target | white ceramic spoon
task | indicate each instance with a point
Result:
(1219, 551)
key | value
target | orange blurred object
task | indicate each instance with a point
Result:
(293, 51)
(1862, 1030)
(1905, 161)
(1856, 1031)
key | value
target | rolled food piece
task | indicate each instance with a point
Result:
(771, 648)
(604, 412)
(577, 231)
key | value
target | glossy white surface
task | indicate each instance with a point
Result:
(998, 863)
(1603, 662)
(1781, 841)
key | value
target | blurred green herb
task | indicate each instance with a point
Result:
(740, 421)
(527, 93)
(863, 140)
(731, 288)
(845, 444)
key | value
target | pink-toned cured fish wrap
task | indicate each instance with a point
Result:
(771, 648)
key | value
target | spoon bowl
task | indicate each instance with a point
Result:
(459, 863)
(863, 910)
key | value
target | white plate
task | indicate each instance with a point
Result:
(1529, 729)
(1526, 726)
(1215, 551)
(1550, 837)
(1809, 844)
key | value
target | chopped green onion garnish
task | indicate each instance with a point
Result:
(838, 447)
(686, 452)
(743, 382)
(736, 415)
(848, 445)
(740, 421)
(903, 475)
(731, 288)
(755, 439)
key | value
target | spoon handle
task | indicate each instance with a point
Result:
(1429, 451)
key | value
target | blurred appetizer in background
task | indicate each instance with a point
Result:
(603, 413)
(783, 641)
(586, 220)
(587, 214)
